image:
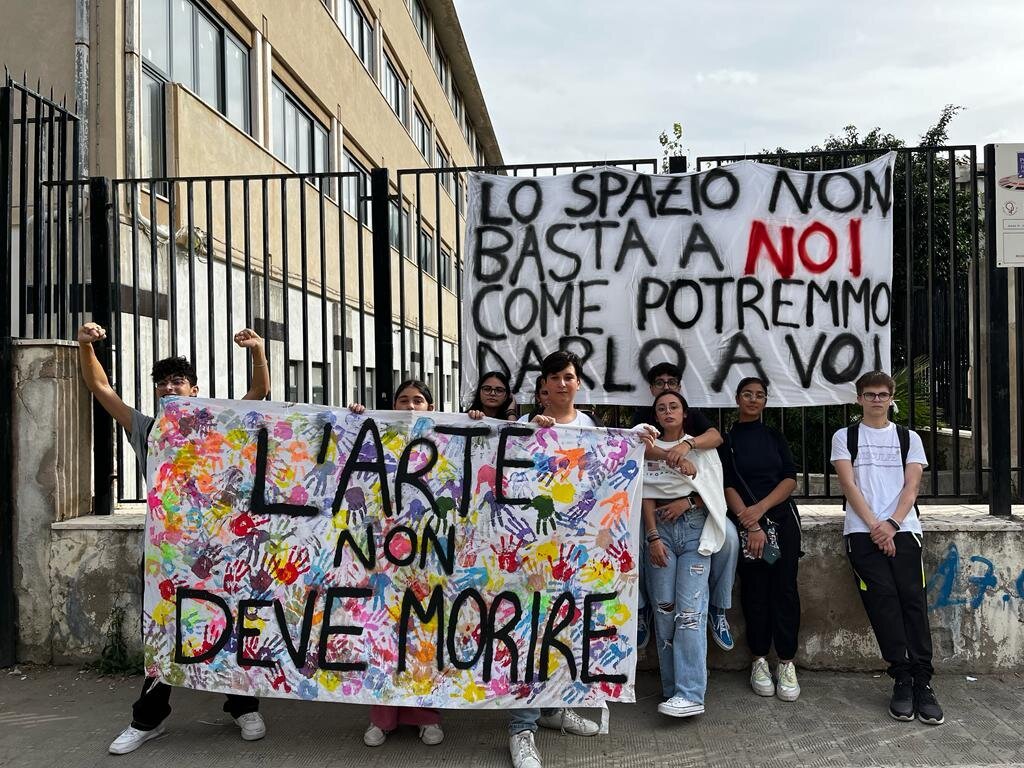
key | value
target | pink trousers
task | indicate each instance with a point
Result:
(389, 718)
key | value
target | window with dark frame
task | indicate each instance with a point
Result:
(442, 160)
(420, 20)
(183, 42)
(395, 229)
(425, 251)
(445, 266)
(421, 134)
(355, 190)
(300, 141)
(394, 89)
(358, 31)
(443, 69)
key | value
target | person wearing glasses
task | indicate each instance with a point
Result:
(701, 436)
(879, 465)
(171, 376)
(493, 398)
(760, 477)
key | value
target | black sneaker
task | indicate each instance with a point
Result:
(926, 705)
(901, 705)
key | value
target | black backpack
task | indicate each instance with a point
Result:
(853, 443)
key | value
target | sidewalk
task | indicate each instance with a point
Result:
(65, 717)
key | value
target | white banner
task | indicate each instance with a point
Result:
(747, 269)
(398, 557)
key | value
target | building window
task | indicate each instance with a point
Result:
(443, 161)
(394, 89)
(421, 21)
(421, 135)
(445, 266)
(366, 395)
(358, 31)
(355, 189)
(300, 142)
(152, 158)
(459, 107)
(183, 43)
(441, 67)
(399, 228)
(425, 251)
(317, 387)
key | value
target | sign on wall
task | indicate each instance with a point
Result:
(392, 558)
(1009, 205)
(747, 269)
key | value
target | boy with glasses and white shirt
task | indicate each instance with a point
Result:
(879, 465)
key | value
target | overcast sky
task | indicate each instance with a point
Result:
(600, 79)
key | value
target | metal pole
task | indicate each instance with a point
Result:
(8, 612)
(384, 345)
(103, 424)
(998, 354)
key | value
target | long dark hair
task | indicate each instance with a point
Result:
(506, 405)
(416, 384)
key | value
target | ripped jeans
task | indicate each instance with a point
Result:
(679, 595)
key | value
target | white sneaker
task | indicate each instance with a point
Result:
(431, 735)
(761, 678)
(788, 688)
(677, 706)
(132, 738)
(252, 725)
(524, 751)
(374, 736)
(567, 721)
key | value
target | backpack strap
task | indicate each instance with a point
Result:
(852, 440)
(903, 435)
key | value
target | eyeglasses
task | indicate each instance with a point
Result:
(665, 384)
(493, 390)
(877, 397)
(173, 381)
(753, 396)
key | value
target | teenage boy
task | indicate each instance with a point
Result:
(667, 377)
(879, 465)
(561, 374)
(171, 376)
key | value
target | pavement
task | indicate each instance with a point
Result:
(65, 716)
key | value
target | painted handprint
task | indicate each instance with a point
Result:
(235, 573)
(545, 507)
(624, 475)
(297, 563)
(621, 555)
(508, 553)
(618, 506)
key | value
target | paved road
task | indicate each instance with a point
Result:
(64, 718)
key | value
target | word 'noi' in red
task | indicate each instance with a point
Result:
(783, 256)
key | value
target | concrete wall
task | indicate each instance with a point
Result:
(52, 425)
(974, 564)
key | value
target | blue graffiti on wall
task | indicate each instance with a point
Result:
(949, 587)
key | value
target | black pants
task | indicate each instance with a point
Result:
(769, 595)
(892, 589)
(154, 705)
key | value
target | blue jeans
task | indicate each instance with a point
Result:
(520, 720)
(723, 569)
(679, 592)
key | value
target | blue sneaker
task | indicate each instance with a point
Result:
(643, 628)
(720, 628)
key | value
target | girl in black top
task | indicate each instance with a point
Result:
(493, 398)
(760, 477)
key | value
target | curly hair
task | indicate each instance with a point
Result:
(174, 366)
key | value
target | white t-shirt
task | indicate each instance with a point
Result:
(878, 472)
(582, 420)
(664, 482)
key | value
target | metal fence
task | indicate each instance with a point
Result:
(354, 281)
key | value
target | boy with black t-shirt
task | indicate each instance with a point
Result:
(171, 376)
(879, 465)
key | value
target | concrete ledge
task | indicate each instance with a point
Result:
(974, 563)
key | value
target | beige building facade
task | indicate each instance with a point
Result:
(242, 135)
